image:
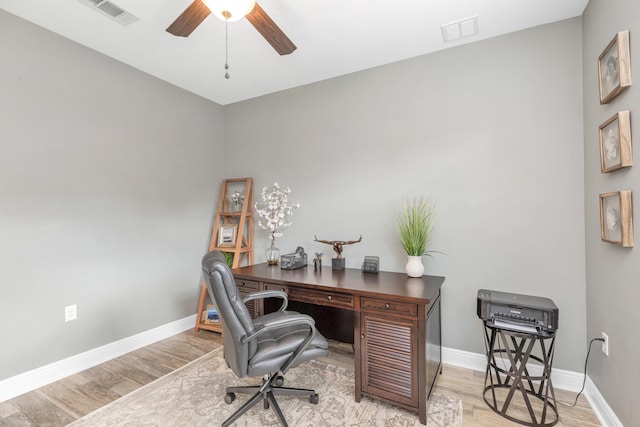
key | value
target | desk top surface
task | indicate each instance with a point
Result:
(350, 280)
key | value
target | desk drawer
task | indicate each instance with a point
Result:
(313, 296)
(388, 306)
(247, 285)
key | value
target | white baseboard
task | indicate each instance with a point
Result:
(602, 410)
(31, 380)
(464, 359)
(562, 379)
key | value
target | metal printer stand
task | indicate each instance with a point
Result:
(508, 378)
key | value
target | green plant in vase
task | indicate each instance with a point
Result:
(414, 221)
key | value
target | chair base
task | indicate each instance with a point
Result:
(267, 394)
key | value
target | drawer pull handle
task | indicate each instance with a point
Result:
(387, 305)
(329, 297)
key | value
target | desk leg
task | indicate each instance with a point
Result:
(357, 354)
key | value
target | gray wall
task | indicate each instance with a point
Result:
(491, 132)
(613, 272)
(108, 178)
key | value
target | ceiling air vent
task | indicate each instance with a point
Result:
(111, 10)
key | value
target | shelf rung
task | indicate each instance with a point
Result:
(234, 213)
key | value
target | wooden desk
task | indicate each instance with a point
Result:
(394, 319)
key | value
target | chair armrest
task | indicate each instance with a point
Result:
(284, 321)
(269, 294)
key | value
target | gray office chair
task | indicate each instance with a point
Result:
(265, 346)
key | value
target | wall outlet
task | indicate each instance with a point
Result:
(605, 344)
(70, 312)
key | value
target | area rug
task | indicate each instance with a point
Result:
(194, 396)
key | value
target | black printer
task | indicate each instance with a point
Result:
(524, 313)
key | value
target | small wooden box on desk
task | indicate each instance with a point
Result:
(392, 320)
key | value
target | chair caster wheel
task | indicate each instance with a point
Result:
(314, 398)
(279, 381)
(229, 398)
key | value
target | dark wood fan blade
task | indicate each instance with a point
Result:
(189, 19)
(270, 31)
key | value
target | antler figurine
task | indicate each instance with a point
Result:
(337, 244)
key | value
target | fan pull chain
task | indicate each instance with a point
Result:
(226, 49)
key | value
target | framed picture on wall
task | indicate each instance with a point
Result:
(615, 143)
(227, 235)
(616, 223)
(614, 67)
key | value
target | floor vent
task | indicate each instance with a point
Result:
(460, 29)
(111, 10)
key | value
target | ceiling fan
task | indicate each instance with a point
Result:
(200, 9)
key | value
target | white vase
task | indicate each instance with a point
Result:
(414, 267)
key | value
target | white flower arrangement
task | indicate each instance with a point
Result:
(237, 197)
(275, 210)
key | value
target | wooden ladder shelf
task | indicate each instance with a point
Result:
(232, 232)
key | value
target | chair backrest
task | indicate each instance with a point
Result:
(235, 318)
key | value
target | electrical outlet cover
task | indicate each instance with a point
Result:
(70, 312)
(605, 344)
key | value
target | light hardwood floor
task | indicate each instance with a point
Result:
(62, 402)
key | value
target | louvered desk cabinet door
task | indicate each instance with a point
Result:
(389, 361)
(400, 351)
(389, 367)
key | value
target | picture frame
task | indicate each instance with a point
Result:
(227, 235)
(614, 67)
(615, 143)
(616, 218)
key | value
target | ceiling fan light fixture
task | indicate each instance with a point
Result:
(230, 10)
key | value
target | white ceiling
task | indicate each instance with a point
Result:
(334, 37)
